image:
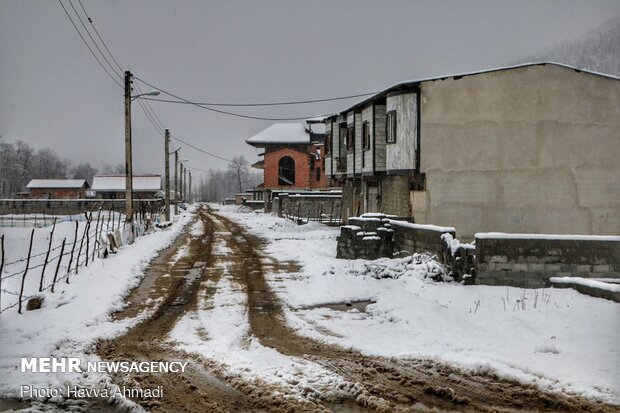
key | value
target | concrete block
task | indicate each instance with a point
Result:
(553, 268)
(601, 268)
(498, 259)
(536, 267)
(584, 268)
(519, 267)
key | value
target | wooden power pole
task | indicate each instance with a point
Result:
(167, 178)
(128, 161)
(176, 182)
(190, 187)
(182, 195)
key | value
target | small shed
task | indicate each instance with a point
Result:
(57, 188)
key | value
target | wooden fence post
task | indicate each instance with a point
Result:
(88, 236)
(96, 233)
(21, 290)
(72, 249)
(62, 250)
(77, 262)
(320, 211)
(49, 247)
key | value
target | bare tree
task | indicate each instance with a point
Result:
(84, 171)
(239, 165)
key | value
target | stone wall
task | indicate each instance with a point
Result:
(354, 242)
(70, 206)
(519, 260)
(372, 236)
(394, 193)
(412, 238)
(529, 260)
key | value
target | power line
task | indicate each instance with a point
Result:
(200, 150)
(94, 42)
(99, 36)
(87, 45)
(293, 102)
(239, 115)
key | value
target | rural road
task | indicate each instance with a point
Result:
(370, 383)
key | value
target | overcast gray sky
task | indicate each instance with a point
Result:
(53, 93)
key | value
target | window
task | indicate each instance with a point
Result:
(390, 126)
(350, 137)
(286, 171)
(366, 134)
(318, 174)
(328, 141)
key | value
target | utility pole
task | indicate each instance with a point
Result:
(167, 179)
(128, 161)
(182, 196)
(176, 182)
(185, 184)
(190, 187)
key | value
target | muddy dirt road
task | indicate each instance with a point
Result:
(368, 383)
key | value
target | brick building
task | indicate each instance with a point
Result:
(56, 189)
(293, 157)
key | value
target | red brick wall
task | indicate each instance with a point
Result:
(57, 193)
(302, 166)
(305, 166)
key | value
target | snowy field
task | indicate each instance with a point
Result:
(556, 338)
(77, 313)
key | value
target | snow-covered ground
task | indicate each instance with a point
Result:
(222, 317)
(556, 338)
(77, 313)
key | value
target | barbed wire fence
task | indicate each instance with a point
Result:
(99, 237)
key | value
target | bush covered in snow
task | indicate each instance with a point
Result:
(422, 266)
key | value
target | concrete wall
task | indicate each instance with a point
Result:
(401, 155)
(530, 261)
(528, 150)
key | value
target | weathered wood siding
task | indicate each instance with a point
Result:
(359, 151)
(368, 154)
(350, 153)
(400, 156)
(379, 138)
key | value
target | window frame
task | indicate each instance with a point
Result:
(394, 129)
(350, 137)
(366, 135)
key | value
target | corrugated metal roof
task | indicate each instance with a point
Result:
(117, 183)
(56, 183)
(278, 133)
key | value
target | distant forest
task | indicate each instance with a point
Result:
(20, 163)
(598, 51)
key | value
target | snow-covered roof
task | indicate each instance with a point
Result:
(280, 133)
(116, 182)
(413, 82)
(57, 183)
